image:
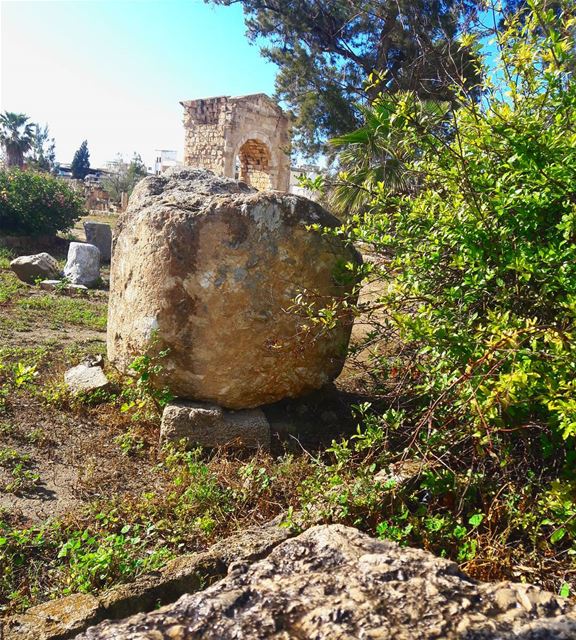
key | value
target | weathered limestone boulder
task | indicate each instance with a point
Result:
(100, 235)
(208, 268)
(210, 426)
(83, 264)
(335, 583)
(30, 268)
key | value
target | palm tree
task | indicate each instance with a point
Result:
(377, 153)
(16, 136)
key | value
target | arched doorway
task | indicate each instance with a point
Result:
(253, 164)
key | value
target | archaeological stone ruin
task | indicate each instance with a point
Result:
(83, 264)
(245, 137)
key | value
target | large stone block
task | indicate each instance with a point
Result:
(336, 583)
(212, 426)
(100, 235)
(39, 265)
(83, 264)
(208, 269)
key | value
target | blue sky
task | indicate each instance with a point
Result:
(113, 71)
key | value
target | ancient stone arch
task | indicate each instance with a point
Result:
(247, 137)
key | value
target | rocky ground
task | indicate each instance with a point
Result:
(330, 583)
(335, 583)
(92, 508)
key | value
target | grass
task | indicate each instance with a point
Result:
(10, 286)
(6, 255)
(62, 310)
(18, 471)
(23, 307)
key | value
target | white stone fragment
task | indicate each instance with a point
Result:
(83, 378)
(49, 285)
(83, 264)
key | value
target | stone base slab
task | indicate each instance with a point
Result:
(211, 426)
(54, 285)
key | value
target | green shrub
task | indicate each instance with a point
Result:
(474, 335)
(36, 204)
(481, 255)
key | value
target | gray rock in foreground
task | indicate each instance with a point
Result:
(210, 426)
(100, 235)
(335, 583)
(83, 264)
(39, 265)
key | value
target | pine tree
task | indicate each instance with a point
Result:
(42, 155)
(328, 55)
(81, 162)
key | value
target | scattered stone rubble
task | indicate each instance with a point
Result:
(335, 583)
(31, 268)
(100, 235)
(210, 426)
(83, 264)
(208, 269)
(62, 285)
(86, 377)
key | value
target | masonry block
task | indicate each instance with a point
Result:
(208, 425)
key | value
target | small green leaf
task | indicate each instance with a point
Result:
(557, 535)
(476, 519)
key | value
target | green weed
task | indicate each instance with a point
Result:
(62, 310)
(10, 287)
(22, 477)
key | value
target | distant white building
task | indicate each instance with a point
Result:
(307, 170)
(165, 158)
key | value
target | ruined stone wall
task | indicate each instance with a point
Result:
(254, 159)
(205, 127)
(251, 131)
